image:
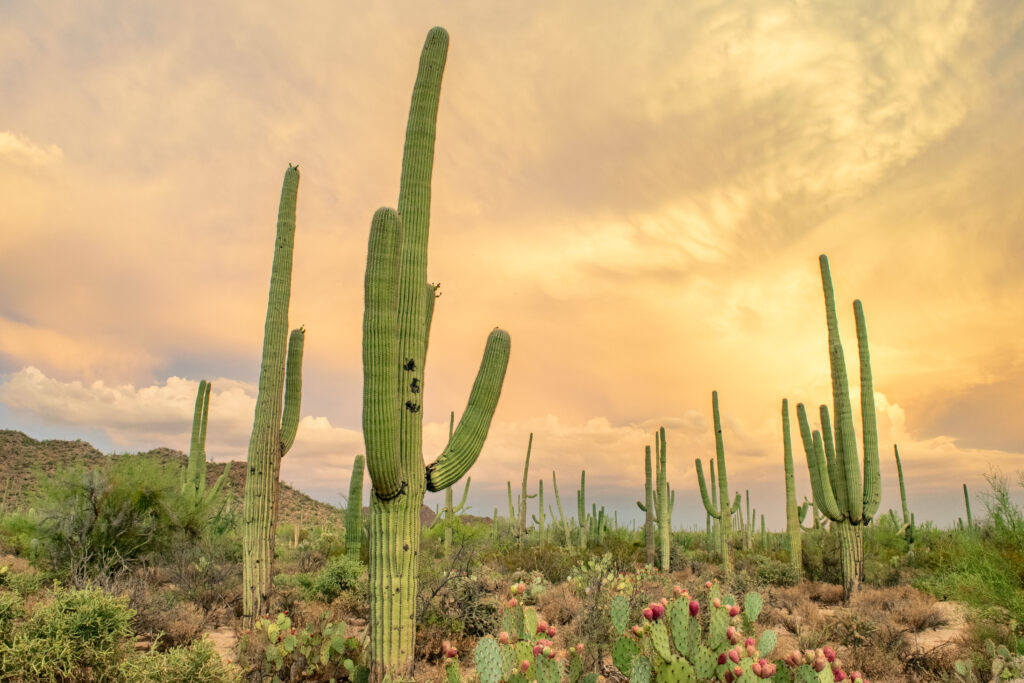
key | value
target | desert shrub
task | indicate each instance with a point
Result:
(554, 562)
(11, 609)
(24, 583)
(340, 573)
(78, 635)
(196, 662)
(278, 648)
(775, 573)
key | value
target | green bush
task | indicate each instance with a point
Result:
(197, 662)
(11, 610)
(79, 635)
(340, 573)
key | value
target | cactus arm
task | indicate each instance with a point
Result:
(709, 507)
(869, 420)
(967, 504)
(903, 491)
(723, 482)
(430, 298)
(836, 474)
(846, 445)
(465, 494)
(523, 497)
(292, 389)
(380, 356)
(736, 505)
(465, 445)
(821, 486)
(219, 484)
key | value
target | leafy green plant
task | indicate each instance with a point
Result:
(317, 652)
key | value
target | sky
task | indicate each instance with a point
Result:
(637, 192)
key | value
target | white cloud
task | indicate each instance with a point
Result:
(21, 151)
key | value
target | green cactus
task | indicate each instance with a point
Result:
(908, 520)
(839, 491)
(648, 507)
(274, 426)
(561, 514)
(354, 509)
(539, 518)
(396, 327)
(967, 504)
(195, 474)
(581, 510)
(524, 496)
(794, 533)
(448, 515)
(664, 501)
(722, 513)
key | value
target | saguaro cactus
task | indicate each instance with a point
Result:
(195, 474)
(396, 327)
(967, 504)
(582, 522)
(525, 496)
(908, 518)
(841, 494)
(664, 501)
(561, 513)
(354, 509)
(648, 507)
(723, 511)
(793, 530)
(274, 426)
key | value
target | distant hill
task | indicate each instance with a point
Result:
(22, 457)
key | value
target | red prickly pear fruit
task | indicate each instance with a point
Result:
(751, 650)
(749, 642)
(552, 631)
(734, 656)
(542, 626)
(734, 610)
(707, 584)
(728, 677)
(520, 588)
(756, 668)
(512, 602)
(717, 602)
(537, 649)
(836, 664)
(829, 653)
(664, 602)
(694, 608)
(648, 613)
(547, 651)
(452, 652)
(856, 677)
(524, 665)
(677, 590)
(503, 638)
(737, 671)
(638, 630)
(659, 611)
(819, 664)
(722, 657)
(839, 675)
(579, 648)
(731, 633)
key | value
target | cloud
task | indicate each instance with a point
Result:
(19, 150)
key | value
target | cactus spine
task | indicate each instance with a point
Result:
(274, 425)
(793, 531)
(723, 511)
(354, 509)
(396, 326)
(839, 491)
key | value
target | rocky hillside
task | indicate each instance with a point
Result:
(22, 459)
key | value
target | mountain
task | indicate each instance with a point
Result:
(22, 459)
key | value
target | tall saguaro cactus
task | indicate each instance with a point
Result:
(525, 496)
(648, 507)
(793, 529)
(274, 425)
(354, 509)
(839, 491)
(396, 325)
(908, 516)
(723, 511)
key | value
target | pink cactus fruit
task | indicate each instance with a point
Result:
(520, 588)
(694, 608)
(648, 613)
(524, 665)
(819, 664)
(734, 610)
(734, 655)
(512, 602)
(664, 602)
(452, 652)
(737, 671)
(722, 657)
(638, 630)
(756, 668)
(503, 638)
(829, 653)
(552, 631)
(839, 675)
(717, 602)
(579, 648)
(677, 590)
(542, 626)
(732, 634)
(537, 649)
(707, 584)
(658, 609)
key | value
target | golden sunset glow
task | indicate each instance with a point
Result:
(637, 192)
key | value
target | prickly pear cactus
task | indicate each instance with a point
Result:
(659, 639)
(623, 652)
(487, 657)
(766, 643)
(451, 672)
(620, 614)
(704, 662)
(641, 670)
(676, 671)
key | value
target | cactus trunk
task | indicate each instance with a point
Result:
(195, 474)
(967, 504)
(274, 425)
(648, 508)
